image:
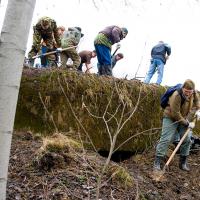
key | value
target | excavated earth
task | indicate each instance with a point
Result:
(76, 179)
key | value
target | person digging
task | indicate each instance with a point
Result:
(175, 120)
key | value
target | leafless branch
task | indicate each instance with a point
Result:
(140, 133)
(74, 114)
(113, 115)
(137, 190)
(51, 117)
(95, 5)
(113, 138)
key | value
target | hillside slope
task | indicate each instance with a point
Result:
(76, 180)
(60, 100)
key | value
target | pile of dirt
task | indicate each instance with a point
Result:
(78, 178)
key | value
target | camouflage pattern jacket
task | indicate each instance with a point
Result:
(70, 37)
(50, 34)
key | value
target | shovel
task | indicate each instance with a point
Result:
(52, 52)
(159, 174)
(117, 48)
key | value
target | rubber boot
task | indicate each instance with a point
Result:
(157, 163)
(183, 163)
(108, 70)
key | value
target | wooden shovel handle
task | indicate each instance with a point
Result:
(52, 52)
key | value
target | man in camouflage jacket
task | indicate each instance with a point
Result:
(71, 38)
(45, 33)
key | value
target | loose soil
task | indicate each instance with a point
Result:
(77, 179)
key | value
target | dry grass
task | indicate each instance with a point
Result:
(56, 152)
(59, 143)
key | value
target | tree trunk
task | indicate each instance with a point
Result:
(13, 42)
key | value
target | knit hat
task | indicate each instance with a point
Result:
(124, 31)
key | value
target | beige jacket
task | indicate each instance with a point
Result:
(178, 112)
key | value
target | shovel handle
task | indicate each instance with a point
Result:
(115, 51)
(52, 52)
(179, 144)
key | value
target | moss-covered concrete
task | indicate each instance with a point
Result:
(89, 91)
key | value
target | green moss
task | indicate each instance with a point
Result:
(121, 176)
(89, 91)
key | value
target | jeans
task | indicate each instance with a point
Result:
(44, 61)
(156, 64)
(169, 131)
(177, 136)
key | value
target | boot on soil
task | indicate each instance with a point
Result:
(157, 163)
(183, 163)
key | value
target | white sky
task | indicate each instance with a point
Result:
(174, 21)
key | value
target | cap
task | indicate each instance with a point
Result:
(79, 29)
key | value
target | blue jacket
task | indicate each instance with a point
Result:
(160, 50)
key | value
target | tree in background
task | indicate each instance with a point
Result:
(13, 40)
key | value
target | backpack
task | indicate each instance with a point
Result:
(72, 35)
(168, 93)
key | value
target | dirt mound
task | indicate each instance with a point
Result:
(78, 178)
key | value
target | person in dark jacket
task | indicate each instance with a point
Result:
(116, 58)
(103, 44)
(86, 57)
(175, 121)
(159, 55)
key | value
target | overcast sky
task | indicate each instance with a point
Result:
(148, 21)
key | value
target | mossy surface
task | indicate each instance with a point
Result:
(67, 96)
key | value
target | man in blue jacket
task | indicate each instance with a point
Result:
(159, 54)
(103, 44)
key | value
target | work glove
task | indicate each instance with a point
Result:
(58, 50)
(197, 114)
(191, 125)
(118, 45)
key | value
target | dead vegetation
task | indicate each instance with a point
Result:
(110, 115)
(77, 179)
(55, 152)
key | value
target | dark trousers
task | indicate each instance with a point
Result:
(104, 59)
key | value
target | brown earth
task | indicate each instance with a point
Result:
(77, 180)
